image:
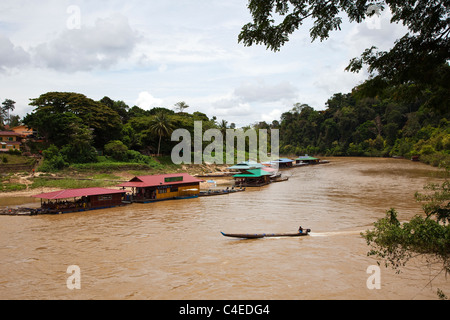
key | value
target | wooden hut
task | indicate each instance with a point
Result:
(76, 200)
(146, 189)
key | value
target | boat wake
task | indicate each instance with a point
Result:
(335, 233)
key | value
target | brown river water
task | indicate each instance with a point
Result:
(174, 250)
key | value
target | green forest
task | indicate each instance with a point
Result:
(375, 120)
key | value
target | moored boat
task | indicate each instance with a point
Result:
(266, 235)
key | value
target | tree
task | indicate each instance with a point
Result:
(415, 57)
(117, 150)
(428, 236)
(7, 106)
(161, 126)
(223, 126)
(105, 122)
(181, 106)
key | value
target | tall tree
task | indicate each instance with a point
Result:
(105, 122)
(7, 106)
(181, 106)
(161, 126)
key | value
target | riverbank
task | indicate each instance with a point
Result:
(28, 184)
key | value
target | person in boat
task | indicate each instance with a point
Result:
(300, 230)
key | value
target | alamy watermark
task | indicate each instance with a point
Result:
(374, 280)
(74, 20)
(234, 140)
(74, 280)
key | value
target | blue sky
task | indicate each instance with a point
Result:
(157, 53)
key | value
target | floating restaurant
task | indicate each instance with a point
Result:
(253, 178)
(282, 163)
(76, 200)
(146, 189)
(246, 165)
(306, 159)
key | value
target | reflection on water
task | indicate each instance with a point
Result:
(174, 249)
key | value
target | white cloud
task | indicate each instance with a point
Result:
(146, 101)
(262, 92)
(273, 115)
(90, 47)
(11, 56)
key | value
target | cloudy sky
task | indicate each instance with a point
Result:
(157, 53)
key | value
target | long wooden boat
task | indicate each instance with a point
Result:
(265, 235)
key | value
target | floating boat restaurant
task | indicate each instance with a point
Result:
(253, 178)
(146, 189)
(76, 200)
(283, 163)
(306, 159)
(246, 165)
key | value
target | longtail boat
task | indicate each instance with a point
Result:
(265, 235)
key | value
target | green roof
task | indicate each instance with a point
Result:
(306, 158)
(253, 173)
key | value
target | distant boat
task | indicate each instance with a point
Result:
(266, 235)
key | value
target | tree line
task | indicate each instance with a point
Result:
(399, 120)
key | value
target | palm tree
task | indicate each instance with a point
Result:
(223, 126)
(162, 126)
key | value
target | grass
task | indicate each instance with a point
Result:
(108, 165)
(6, 158)
(11, 187)
(68, 183)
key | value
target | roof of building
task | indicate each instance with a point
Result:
(278, 161)
(246, 165)
(9, 133)
(161, 180)
(77, 193)
(253, 173)
(306, 157)
(283, 160)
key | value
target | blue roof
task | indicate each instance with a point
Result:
(283, 160)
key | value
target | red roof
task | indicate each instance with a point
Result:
(9, 133)
(77, 193)
(161, 180)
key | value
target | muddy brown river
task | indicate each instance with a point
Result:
(174, 250)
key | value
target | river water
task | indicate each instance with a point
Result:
(174, 249)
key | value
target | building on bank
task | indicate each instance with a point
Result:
(146, 189)
(10, 140)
